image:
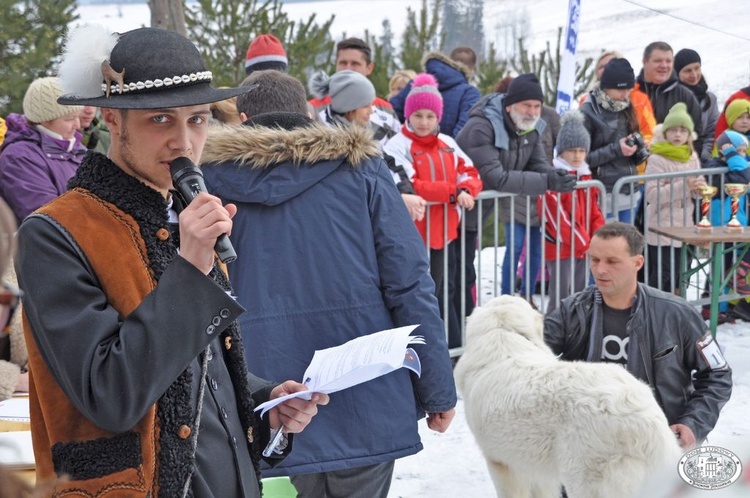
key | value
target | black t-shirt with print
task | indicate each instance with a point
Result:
(615, 332)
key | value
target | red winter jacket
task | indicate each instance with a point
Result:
(439, 170)
(588, 219)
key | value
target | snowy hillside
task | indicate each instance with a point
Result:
(605, 24)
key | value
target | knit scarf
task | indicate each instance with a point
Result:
(679, 153)
(607, 102)
(700, 90)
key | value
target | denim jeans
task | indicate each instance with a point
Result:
(533, 257)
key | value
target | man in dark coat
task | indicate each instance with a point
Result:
(657, 336)
(503, 139)
(329, 253)
(453, 84)
(659, 82)
(139, 383)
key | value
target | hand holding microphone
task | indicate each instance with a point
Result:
(205, 219)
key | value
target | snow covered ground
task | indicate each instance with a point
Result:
(451, 464)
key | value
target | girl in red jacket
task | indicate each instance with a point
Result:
(439, 170)
(570, 219)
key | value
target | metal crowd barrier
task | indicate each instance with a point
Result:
(696, 288)
(488, 273)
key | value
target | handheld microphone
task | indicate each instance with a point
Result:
(188, 180)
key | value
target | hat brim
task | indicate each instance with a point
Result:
(182, 96)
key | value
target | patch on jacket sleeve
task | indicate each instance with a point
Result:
(711, 352)
(97, 458)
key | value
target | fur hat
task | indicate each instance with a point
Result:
(618, 74)
(266, 52)
(424, 94)
(348, 90)
(524, 87)
(678, 116)
(735, 109)
(731, 137)
(40, 102)
(147, 68)
(684, 57)
(573, 134)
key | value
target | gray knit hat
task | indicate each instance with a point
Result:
(348, 90)
(573, 133)
(40, 102)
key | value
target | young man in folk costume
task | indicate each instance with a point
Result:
(139, 383)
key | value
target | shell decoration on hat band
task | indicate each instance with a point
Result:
(113, 85)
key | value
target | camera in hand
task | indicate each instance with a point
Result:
(641, 153)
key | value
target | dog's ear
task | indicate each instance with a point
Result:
(509, 313)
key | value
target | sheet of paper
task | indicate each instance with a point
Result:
(16, 450)
(15, 409)
(356, 361)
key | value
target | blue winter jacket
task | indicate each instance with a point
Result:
(327, 252)
(458, 95)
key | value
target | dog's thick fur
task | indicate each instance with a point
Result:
(542, 423)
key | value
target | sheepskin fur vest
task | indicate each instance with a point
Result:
(120, 226)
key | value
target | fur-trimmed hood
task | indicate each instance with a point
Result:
(448, 72)
(270, 165)
(263, 147)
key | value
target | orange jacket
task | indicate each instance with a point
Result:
(644, 111)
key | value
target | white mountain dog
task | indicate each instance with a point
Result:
(543, 423)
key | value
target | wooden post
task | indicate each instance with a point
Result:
(168, 14)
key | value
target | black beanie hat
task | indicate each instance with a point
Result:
(618, 74)
(524, 87)
(684, 57)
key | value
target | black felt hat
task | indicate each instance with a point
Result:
(147, 68)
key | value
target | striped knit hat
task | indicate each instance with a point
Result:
(266, 52)
(424, 94)
(40, 102)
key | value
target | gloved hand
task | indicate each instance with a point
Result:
(736, 162)
(728, 150)
(560, 181)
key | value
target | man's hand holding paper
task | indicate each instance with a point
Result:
(356, 361)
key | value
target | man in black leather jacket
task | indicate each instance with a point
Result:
(658, 337)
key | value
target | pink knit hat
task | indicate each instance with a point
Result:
(424, 94)
(266, 52)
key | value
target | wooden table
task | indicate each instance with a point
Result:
(715, 238)
(10, 426)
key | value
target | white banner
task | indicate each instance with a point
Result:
(566, 83)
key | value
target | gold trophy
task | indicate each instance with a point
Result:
(706, 192)
(735, 191)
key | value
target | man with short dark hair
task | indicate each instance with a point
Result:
(467, 57)
(329, 254)
(355, 54)
(272, 91)
(139, 383)
(657, 336)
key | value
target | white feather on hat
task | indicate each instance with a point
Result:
(86, 47)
